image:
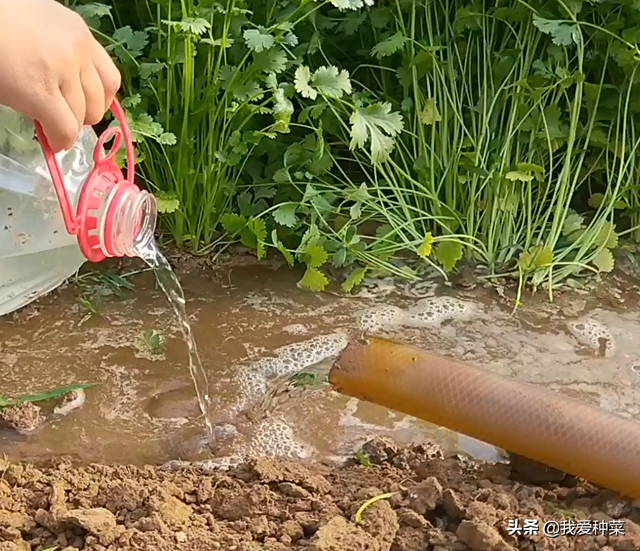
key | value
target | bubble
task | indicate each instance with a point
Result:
(286, 360)
(380, 317)
(425, 312)
(252, 384)
(593, 334)
(435, 310)
(296, 329)
(276, 438)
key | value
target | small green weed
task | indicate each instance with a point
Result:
(97, 285)
(309, 379)
(154, 340)
(363, 458)
(56, 393)
(108, 283)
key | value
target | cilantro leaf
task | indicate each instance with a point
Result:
(259, 228)
(607, 236)
(271, 61)
(604, 261)
(430, 113)
(195, 25)
(302, 81)
(290, 39)
(562, 34)
(280, 246)
(258, 40)
(167, 203)
(167, 138)
(327, 81)
(93, 10)
(448, 254)
(518, 176)
(355, 278)
(372, 123)
(233, 223)
(389, 46)
(282, 111)
(315, 255)
(285, 215)
(350, 4)
(148, 69)
(331, 83)
(573, 222)
(424, 250)
(540, 256)
(128, 43)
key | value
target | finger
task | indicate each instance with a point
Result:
(94, 95)
(108, 72)
(73, 93)
(59, 123)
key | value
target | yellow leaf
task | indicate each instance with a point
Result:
(355, 278)
(430, 113)
(604, 261)
(314, 280)
(539, 256)
(518, 175)
(370, 502)
(424, 250)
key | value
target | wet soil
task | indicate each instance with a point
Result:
(111, 493)
(425, 503)
(145, 394)
(143, 409)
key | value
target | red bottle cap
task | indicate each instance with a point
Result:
(106, 182)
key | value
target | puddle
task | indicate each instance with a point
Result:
(144, 408)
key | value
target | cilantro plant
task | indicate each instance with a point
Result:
(503, 131)
(388, 136)
(207, 83)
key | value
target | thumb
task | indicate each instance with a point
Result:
(59, 124)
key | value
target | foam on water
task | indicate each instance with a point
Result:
(380, 318)
(593, 334)
(285, 361)
(426, 312)
(273, 436)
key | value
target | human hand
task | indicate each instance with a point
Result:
(53, 70)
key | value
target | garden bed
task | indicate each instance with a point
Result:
(426, 502)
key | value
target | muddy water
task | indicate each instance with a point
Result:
(144, 409)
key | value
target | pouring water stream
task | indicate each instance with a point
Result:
(170, 284)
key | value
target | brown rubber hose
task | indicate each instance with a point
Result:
(530, 421)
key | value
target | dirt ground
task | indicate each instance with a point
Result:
(426, 502)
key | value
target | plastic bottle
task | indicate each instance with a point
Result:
(58, 211)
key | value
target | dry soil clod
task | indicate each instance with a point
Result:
(435, 504)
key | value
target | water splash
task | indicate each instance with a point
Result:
(170, 284)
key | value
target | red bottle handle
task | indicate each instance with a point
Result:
(101, 159)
